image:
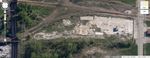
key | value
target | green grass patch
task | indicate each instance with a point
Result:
(67, 47)
(130, 51)
(1, 12)
(59, 48)
(147, 49)
(34, 10)
(30, 15)
(131, 2)
(1, 21)
(147, 23)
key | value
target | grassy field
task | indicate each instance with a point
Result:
(69, 47)
(147, 49)
(30, 16)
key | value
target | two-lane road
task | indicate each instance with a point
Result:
(140, 29)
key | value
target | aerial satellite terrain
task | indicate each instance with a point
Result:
(74, 28)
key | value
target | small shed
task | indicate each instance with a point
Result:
(144, 5)
(144, 11)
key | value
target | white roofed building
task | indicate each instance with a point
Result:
(144, 7)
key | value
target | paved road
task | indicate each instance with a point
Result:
(140, 30)
(12, 17)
